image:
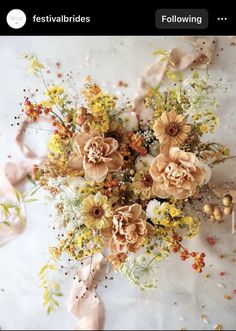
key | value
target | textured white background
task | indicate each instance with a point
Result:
(183, 296)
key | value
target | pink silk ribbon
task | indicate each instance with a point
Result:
(84, 303)
(12, 174)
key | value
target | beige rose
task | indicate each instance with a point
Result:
(96, 155)
(128, 229)
(176, 173)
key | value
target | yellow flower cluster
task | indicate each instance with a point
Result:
(89, 242)
(57, 147)
(215, 152)
(101, 105)
(170, 217)
(56, 95)
(206, 121)
(33, 64)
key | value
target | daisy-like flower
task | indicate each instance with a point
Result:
(118, 132)
(171, 130)
(143, 185)
(96, 211)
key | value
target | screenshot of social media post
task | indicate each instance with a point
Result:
(117, 169)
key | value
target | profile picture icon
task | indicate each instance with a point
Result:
(16, 18)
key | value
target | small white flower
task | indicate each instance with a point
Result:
(143, 162)
(152, 208)
(76, 182)
(129, 120)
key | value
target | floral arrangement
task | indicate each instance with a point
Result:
(129, 190)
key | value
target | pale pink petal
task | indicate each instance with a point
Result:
(136, 210)
(112, 143)
(76, 163)
(116, 161)
(79, 141)
(95, 172)
(160, 192)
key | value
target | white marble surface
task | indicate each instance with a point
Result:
(183, 296)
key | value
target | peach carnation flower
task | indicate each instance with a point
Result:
(128, 229)
(96, 155)
(177, 173)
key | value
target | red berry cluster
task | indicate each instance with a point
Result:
(33, 111)
(185, 254)
(199, 261)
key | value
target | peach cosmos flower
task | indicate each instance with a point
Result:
(128, 229)
(171, 130)
(177, 173)
(96, 155)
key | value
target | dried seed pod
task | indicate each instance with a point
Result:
(228, 210)
(217, 211)
(227, 200)
(219, 218)
(208, 208)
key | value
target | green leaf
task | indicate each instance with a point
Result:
(5, 209)
(171, 75)
(7, 223)
(195, 75)
(34, 191)
(52, 267)
(161, 52)
(43, 269)
(17, 195)
(31, 180)
(49, 310)
(30, 200)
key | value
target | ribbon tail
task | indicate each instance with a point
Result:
(84, 302)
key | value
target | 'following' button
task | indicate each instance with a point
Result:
(181, 18)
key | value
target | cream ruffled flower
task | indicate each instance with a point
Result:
(177, 173)
(171, 129)
(95, 155)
